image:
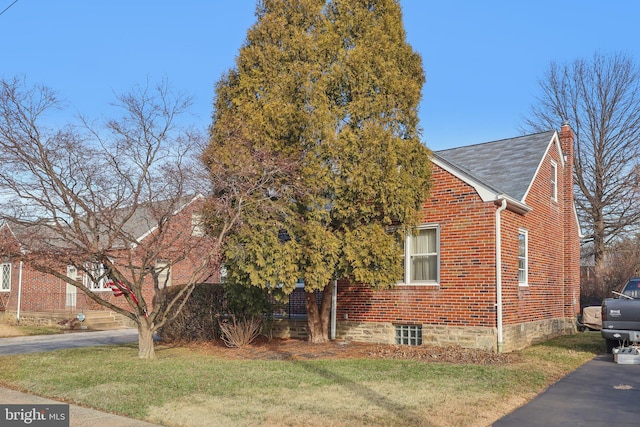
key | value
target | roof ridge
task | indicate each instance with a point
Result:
(508, 164)
(496, 141)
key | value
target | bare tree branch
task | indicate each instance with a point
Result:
(110, 196)
(601, 99)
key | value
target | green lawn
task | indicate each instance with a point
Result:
(183, 387)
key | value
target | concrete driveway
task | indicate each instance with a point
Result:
(599, 393)
(38, 343)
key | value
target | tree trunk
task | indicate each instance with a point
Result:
(318, 317)
(146, 349)
(599, 250)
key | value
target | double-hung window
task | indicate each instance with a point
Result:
(422, 256)
(554, 181)
(523, 257)
(95, 277)
(163, 268)
(197, 225)
(5, 277)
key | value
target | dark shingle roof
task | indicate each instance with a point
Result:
(144, 219)
(508, 165)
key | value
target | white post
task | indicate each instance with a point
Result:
(334, 305)
(499, 274)
(19, 293)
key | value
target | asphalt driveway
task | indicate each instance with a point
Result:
(599, 393)
(38, 343)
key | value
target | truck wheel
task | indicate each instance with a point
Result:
(611, 344)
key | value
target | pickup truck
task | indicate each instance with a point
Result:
(621, 316)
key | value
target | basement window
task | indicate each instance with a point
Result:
(409, 335)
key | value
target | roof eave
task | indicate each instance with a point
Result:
(486, 192)
(513, 204)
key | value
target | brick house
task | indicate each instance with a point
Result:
(31, 296)
(495, 263)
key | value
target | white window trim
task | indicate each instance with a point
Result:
(407, 258)
(101, 285)
(71, 290)
(163, 267)
(526, 257)
(554, 181)
(197, 225)
(72, 272)
(5, 266)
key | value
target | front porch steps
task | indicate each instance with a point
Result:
(99, 320)
(104, 320)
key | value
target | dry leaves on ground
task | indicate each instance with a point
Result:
(294, 349)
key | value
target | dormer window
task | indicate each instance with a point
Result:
(554, 181)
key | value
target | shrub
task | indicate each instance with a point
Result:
(198, 320)
(240, 332)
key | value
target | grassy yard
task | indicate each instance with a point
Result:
(185, 387)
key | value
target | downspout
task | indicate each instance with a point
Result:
(19, 293)
(334, 306)
(502, 207)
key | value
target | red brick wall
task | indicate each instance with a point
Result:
(466, 293)
(42, 292)
(543, 297)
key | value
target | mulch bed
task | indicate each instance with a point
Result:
(294, 349)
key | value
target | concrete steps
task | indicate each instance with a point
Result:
(104, 320)
(100, 320)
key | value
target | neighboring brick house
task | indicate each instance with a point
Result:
(29, 294)
(496, 261)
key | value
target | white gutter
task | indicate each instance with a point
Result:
(19, 293)
(334, 305)
(502, 207)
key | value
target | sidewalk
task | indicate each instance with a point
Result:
(79, 416)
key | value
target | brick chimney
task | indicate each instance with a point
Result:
(571, 229)
(566, 141)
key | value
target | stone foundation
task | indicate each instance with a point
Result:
(378, 333)
(482, 338)
(515, 337)
(522, 335)
(288, 328)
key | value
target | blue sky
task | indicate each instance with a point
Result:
(482, 59)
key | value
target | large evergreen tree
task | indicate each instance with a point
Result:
(329, 89)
